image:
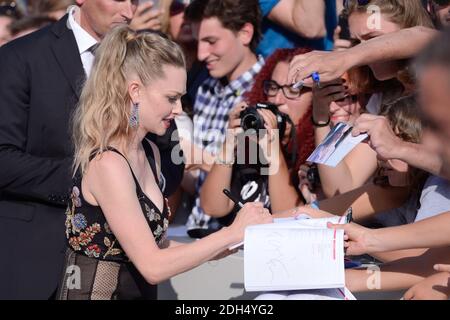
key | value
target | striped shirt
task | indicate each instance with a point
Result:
(212, 105)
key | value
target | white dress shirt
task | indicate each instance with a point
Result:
(84, 41)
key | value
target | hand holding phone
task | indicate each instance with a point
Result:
(147, 16)
(155, 6)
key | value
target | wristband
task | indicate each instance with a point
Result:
(320, 125)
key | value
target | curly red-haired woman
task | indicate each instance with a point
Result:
(272, 179)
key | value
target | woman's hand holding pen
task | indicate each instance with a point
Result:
(329, 65)
(251, 213)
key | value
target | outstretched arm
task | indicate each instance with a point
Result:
(304, 17)
(397, 275)
(388, 146)
(110, 183)
(429, 233)
(400, 45)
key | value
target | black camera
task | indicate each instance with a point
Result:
(251, 119)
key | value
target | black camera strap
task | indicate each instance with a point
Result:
(293, 140)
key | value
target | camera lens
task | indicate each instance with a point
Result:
(249, 121)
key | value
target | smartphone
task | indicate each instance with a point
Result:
(345, 31)
(156, 3)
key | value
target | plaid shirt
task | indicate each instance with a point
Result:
(212, 105)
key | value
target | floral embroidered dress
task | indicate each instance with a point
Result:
(96, 266)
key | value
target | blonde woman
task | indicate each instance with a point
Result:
(117, 220)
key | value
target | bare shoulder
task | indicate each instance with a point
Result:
(108, 162)
(109, 170)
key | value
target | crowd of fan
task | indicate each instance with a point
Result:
(381, 70)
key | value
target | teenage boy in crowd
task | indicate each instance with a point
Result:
(228, 35)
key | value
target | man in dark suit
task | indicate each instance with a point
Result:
(40, 83)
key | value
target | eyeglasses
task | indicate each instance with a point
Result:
(271, 89)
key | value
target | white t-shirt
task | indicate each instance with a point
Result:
(435, 198)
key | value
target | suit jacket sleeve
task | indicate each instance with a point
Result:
(23, 174)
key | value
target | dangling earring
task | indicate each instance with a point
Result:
(134, 116)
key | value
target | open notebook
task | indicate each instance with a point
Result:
(293, 254)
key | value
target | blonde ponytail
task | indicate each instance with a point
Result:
(103, 112)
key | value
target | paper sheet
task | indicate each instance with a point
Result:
(338, 143)
(294, 255)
